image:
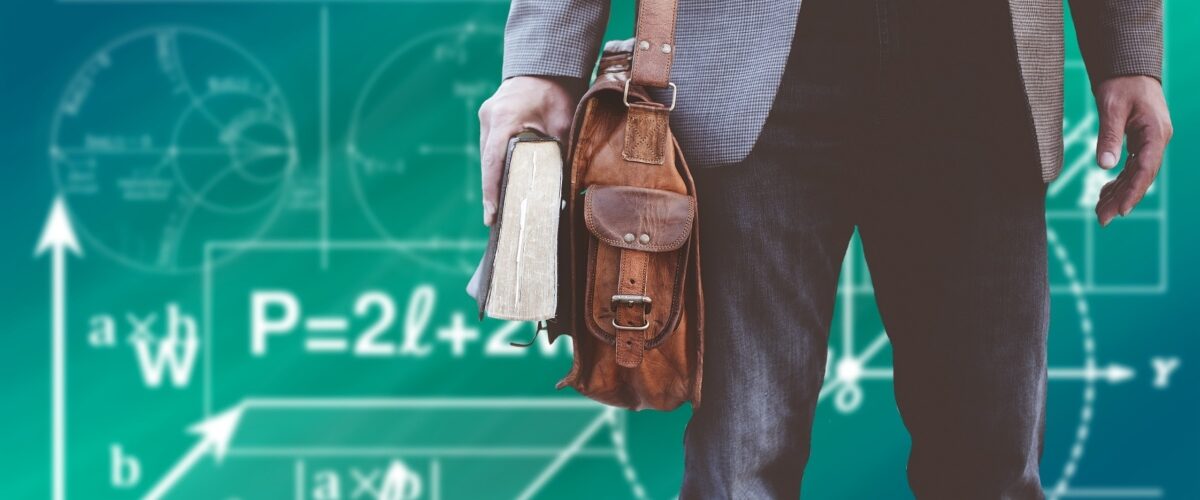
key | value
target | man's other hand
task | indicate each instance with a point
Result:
(1133, 107)
(544, 104)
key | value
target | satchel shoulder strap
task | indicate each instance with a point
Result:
(655, 46)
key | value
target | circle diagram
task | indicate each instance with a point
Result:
(1073, 367)
(858, 370)
(413, 139)
(167, 138)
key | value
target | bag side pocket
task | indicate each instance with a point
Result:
(637, 260)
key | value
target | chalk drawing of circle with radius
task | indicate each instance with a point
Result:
(1090, 373)
(1072, 360)
(413, 140)
(169, 137)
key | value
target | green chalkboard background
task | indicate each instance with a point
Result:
(249, 178)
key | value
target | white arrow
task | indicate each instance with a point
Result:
(215, 435)
(58, 238)
(1113, 374)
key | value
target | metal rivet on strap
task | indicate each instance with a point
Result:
(628, 237)
(644, 238)
(666, 48)
(644, 45)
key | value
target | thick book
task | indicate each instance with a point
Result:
(517, 278)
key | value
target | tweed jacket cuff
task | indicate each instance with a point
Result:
(553, 38)
(1120, 37)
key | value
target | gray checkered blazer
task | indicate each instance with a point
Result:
(718, 119)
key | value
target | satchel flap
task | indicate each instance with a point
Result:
(650, 220)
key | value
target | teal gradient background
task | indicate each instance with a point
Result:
(368, 176)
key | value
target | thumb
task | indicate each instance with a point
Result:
(1112, 132)
(495, 147)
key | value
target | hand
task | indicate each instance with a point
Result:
(545, 104)
(1133, 106)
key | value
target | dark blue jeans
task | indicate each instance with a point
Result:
(905, 120)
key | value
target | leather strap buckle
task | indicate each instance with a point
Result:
(631, 300)
(638, 328)
(674, 94)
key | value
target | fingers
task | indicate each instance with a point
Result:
(1113, 118)
(1148, 143)
(1144, 165)
(492, 149)
(495, 131)
(1107, 209)
(497, 124)
(489, 186)
(544, 104)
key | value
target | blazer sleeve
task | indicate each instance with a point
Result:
(554, 37)
(1120, 37)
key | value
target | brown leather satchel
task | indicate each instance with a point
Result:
(629, 281)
